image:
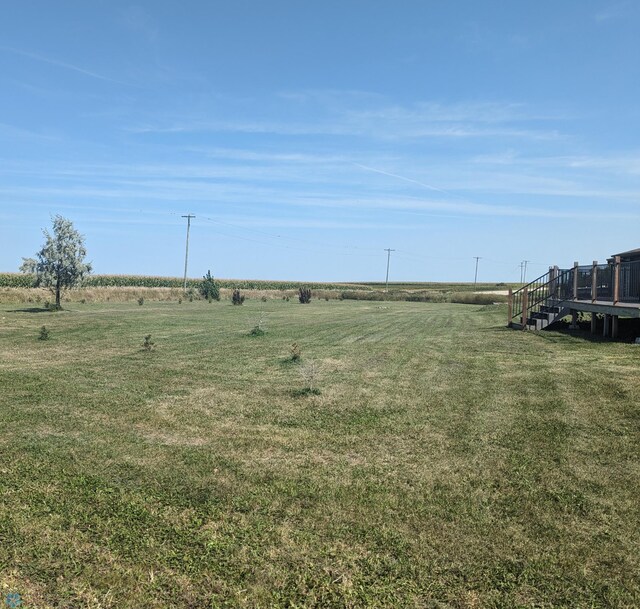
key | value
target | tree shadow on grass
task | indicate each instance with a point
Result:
(30, 310)
(297, 393)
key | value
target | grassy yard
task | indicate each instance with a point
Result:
(447, 461)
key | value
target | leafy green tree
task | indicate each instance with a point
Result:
(60, 264)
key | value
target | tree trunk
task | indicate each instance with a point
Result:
(58, 306)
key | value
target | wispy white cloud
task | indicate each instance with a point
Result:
(617, 10)
(61, 64)
(249, 175)
(351, 126)
(138, 20)
(13, 132)
(370, 116)
(628, 164)
(175, 193)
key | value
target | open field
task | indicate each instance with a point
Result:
(446, 462)
(21, 280)
(82, 295)
(445, 286)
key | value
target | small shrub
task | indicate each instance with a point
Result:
(83, 301)
(259, 329)
(287, 299)
(326, 298)
(148, 344)
(209, 289)
(237, 298)
(296, 352)
(310, 373)
(44, 333)
(304, 295)
(141, 301)
(179, 300)
(51, 306)
(264, 299)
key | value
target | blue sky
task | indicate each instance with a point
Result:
(306, 137)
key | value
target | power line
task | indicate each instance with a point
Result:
(276, 244)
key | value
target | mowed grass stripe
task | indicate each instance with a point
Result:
(446, 462)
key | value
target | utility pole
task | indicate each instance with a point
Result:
(524, 274)
(475, 279)
(521, 267)
(186, 254)
(386, 281)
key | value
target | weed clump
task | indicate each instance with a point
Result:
(44, 333)
(141, 301)
(296, 352)
(148, 344)
(237, 298)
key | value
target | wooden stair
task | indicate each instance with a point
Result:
(546, 316)
(536, 305)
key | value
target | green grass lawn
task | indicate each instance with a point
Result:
(447, 461)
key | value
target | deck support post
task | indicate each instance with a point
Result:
(525, 306)
(614, 326)
(605, 327)
(574, 320)
(616, 280)
(553, 282)
(594, 281)
(576, 270)
(593, 323)
(510, 308)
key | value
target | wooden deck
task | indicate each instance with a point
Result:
(609, 291)
(606, 307)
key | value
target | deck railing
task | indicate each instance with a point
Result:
(630, 281)
(615, 282)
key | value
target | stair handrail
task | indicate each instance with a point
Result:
(536, 293)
